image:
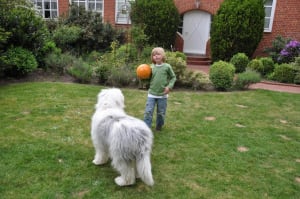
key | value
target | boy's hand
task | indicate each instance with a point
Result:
(167, 90)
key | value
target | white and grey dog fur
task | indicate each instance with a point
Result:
(126, 140)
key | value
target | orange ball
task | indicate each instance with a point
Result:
(143, 71)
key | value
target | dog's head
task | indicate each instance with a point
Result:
(110, 98)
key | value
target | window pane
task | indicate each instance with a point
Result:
(268, 2)
(39, 5)
(268, 11)
(47, 5)
(122, 12)
(54, 14)
(53, 5)
(267, 23)
(47, 14)
(99, 6)
(82, 4)
(91, 6)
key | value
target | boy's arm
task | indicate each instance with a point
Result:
(172, 77)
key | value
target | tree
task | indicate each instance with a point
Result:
(160, 19)
(237, 28)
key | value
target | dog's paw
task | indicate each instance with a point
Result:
(98, 162)
(122, 182)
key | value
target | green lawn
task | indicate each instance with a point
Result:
(214, 145)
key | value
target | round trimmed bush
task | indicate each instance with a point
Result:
(176, 60)
(18, 61)
(284, 73)
(268, 65)
(221, 74)
(296, 66)
(297, 78)
(257, 65)
(240, 61)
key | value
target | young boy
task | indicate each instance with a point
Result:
(161, 82)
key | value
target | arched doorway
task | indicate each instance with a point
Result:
(196, 31)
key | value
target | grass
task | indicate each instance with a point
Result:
(46, 151)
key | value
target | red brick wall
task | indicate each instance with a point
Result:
(108, 14)
(210, 6)
(109, 11)
(63, 6)
(286, 19)
(286, 23)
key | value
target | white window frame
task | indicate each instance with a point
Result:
(269, 18)
(86, 5)
(122, 12)
(43, 8)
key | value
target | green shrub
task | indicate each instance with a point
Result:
(4, 35)
(296, 67)
(102, 71)
(81, 70)
(122, 76)
(297, 62)
(240, 61)
(96, 35)
(297, 78)
(59, 63)
(284, 73)
(256, 65)
(180, 54)
(94, 56)
(146, 54)
(268, 65)
(177, 63)
(127, 52)
(160, 20)
(49, 47)
(105, 65)
(28, 30)
(221, 74)
(196, 80)
(238, 26)
(243, 80)
(139, 38)
(66, 37)
(18, 62)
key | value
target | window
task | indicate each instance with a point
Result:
(91, 5)
(123, 12)
(269, 11)
(47, 8)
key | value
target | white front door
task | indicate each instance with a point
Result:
(196, 28)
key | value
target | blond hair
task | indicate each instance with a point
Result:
(160, 51)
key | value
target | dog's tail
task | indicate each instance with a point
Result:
(143, 166)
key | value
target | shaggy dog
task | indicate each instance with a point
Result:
(126, 140)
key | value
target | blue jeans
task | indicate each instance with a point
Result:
(160, 111)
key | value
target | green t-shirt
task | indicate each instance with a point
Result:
(162, 76)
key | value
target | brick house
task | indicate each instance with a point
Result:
(282, 18)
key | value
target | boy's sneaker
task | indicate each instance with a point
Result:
(158, 128)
